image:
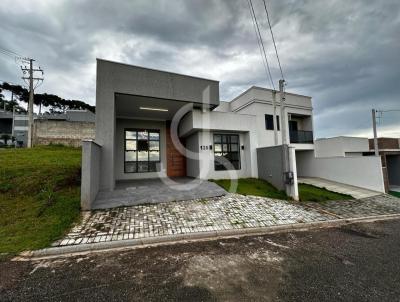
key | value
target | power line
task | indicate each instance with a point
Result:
(258, 40)
(258, 34)
(11, 54)
(273, 39)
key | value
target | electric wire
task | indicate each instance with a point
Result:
(259, 38)
(273, 39)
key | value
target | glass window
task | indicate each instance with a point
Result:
(130, 156)
(143, 156)
(154, 156)
(130, 167)
(130, 134)
(227, 154)
(143, 135)
(130, 145)
(142, 151)
(269, 122)
(154, 136)
(154, 145)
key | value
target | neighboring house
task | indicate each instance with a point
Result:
(68, 128)
(363, 149)
(6, 124)
(15, 125)
(139, 110)
(389, 150)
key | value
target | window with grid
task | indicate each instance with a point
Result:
(142, 151)
(226, 146)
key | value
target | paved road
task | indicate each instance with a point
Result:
(352, 263)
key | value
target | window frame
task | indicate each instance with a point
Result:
(148, 161)
(272, 118)
(229, 144)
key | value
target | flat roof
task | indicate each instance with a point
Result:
(159, 70)
(267, 89)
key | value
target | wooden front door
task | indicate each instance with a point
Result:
(176, 162)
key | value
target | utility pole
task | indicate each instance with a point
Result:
(275, 122)
(283, 118)
(31, 79)
(375, 135)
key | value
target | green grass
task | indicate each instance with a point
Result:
(39, 196)
(259, 187)
(253, 186)
(312, 193)
(394, 193)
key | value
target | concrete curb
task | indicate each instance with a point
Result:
(209, 235)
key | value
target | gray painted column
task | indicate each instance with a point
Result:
(105, 127)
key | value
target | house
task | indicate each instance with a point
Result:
(362, 149)
(14, 125)
(156, 124)
(152, 124)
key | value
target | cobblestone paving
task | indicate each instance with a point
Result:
(219, 213)
(371, 206)
(231, 211)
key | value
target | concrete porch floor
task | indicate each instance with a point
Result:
(143, 191)
(337, 187)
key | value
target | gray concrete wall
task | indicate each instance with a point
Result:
(62, 132)
(91, 154)
(126, 79)
(269, 160)
(364, 172)
(393, 167)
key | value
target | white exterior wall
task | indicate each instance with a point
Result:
(205, 124)
(341, 146)
(266, 137)
(365, 172)
(207, 170)
(119, 148)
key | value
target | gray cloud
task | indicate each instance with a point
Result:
(345, 54)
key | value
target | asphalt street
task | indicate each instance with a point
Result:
(358, 262)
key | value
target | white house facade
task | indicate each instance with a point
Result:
(156, 124)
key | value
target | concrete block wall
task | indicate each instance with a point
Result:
(62, 132)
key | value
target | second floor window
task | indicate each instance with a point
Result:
(269, 122)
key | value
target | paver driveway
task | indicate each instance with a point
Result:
(232, 211)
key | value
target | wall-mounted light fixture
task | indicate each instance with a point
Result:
(153, 109)
(242, 147)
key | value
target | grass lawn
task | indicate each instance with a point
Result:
(253, 186)
(312, 193)
(394, 193)
(39, 196)
(259, 187)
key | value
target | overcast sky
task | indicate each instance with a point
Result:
(345, 54)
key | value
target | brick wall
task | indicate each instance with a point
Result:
(62, 132)
(385, 143)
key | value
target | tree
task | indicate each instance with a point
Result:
(53, 102)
